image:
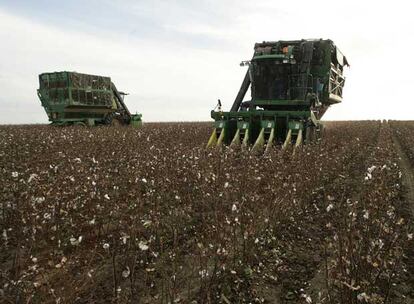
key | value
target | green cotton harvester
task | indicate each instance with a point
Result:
(292, 85)
(71, 98)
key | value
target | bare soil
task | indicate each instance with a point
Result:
(408, 195)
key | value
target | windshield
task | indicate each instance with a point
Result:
(269, 80)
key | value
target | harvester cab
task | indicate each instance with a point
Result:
(71, 98)
(292, 85)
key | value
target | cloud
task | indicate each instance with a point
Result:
(166, 82)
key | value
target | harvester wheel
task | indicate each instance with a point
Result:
(109, 118)
(320, 132)
(59, 124)
(311, 134)
(115, 122)
(79, 124)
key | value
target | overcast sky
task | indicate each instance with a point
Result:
(175, 58)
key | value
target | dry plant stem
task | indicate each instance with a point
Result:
(167, 208)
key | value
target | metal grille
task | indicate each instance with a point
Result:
(336, 81)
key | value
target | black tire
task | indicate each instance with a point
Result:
(109, 118)
(310, 134)
(79, 124)
(115, 122)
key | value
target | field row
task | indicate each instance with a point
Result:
(89, 215)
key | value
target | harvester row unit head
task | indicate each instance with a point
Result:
(82, 99)
(292, 85)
